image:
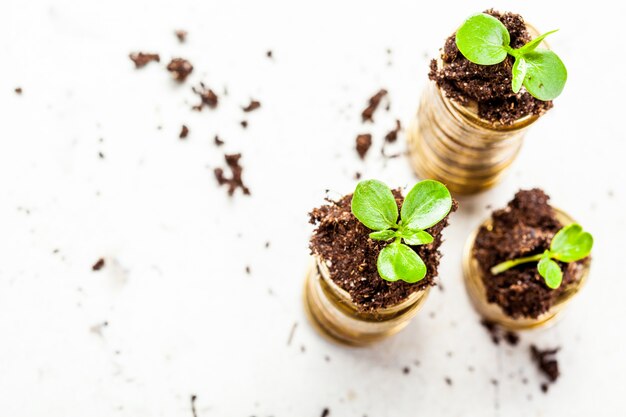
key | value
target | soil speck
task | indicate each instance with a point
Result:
(180, 69)
(181, 35)
(235, 181)
(184, 131)
(98, 265)
(193, 405)
(373, 103)
(207, 97)
(142, 59)
(546, 362)
(363, 144)
(292, 332)
(392, 136)
(254, 104)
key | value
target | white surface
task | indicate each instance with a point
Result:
(183, 316)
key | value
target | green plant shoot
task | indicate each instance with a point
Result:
(570, 244)
(374, 205)
(484, 40)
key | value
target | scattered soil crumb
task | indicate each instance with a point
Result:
(267, 244)
(448, 381)
(181, 35)
(547, 363)
(142, 59)
(248, 270)
(374, 101)
(254, 104)
(218, 141)
(100, 155)
(325, 412)
(18, 90)
(207, 97)
(497, 333)
(357, 175)
(98, 265)
(180, 69)
(512, 338)
(235, 181)
(244, 124)
(184, 131)
(97, 328)
(363, 144)
(327, 358)
(406, 370)
(292, 332)
(269, 54)
(492, 328)
(193, 405)
(302, 348)
(392, 136)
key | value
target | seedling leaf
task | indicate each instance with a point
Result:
(374, 205)
(483, 39)
(545, 74)
(519, 72)
(417, 237)
(533, 44)
(383, 235)
(550, 271)
(425, 205)
(399, 262)
(571, 244)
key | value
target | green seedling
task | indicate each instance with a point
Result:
(570, 244)
(425, 205)
(484, 40)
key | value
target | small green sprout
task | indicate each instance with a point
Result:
(570, 244)
(374, 205)
(484, 40)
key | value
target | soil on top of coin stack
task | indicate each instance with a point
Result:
(524, 227)
(489, 86)
(343, 242)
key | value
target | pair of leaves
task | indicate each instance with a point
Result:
(570, 244)
(374, 205)
(484, 40)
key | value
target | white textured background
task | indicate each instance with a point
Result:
(183, 316)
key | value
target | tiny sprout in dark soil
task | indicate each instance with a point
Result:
(374, 205)
(570, 244)
(484, 40)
